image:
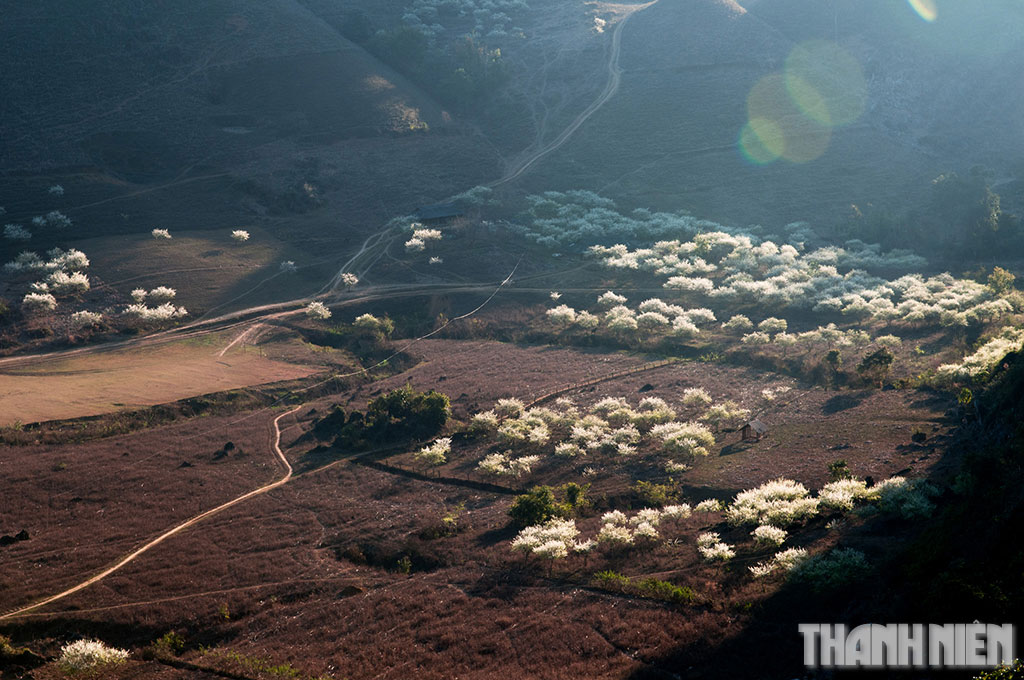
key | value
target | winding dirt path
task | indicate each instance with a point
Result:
(610, 88)
(171, 532)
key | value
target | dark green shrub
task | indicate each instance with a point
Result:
(534, 507)
(405, 413)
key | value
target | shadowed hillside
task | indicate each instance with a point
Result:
(696, 73)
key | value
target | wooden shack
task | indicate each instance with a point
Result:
(753, 431)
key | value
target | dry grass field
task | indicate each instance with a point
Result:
(124, 379)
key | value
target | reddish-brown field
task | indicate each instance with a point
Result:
(311, 573)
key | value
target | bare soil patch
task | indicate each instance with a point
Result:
(105, 382)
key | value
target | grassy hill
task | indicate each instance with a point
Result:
(145, 94)
(932, 97)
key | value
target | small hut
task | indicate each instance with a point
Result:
(437, 214)
(753, 431)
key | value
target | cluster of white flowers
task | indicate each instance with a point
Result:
(709, 505)
(85, 319)
(504, 465)
(164, 312)
(766, 534)
(713, 549)
(67, 260)
(725, 413)
(63, 283)
(16, 232)
(907, 499)
(436, 260)
(420, 237)
(160, 234)
(348, 279)
(160, 293)
(490, 18)
(563, 315)
(318, 310)
(38, 302)
(980, 363)
(843, 494)
(611, 426)
(54, 219)
(780, 502)
(554, 539)
(741, 269)
(786, 561)
(688, 440)
(64, 276)
(653, 316)
(560, 219)
(240, 235)
(370, 322)
(85, 655)
(696, 397)
(435, 453)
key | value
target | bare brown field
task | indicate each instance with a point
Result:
(310, 574)
(84, 505)
(205, 267)
(105, 382)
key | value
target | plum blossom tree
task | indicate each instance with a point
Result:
(318, 310)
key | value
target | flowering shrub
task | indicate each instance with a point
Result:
(16, 232)
(63, 283)
(979, 364)
(780, 503)
(787, 561)
(39, 302)
(162, 293)
(164, 312)
(435, 453)
(832, 570)
(240, 235)
(842, 494)
(54, 219)
(318, 310)
(906, 499)
(349, 279)
(562, 315)
(713, 549)
(84, 319)
(769, 535)
(85, 655)
(709, 505)
(503, 465)
(160, 234)
(696, 396)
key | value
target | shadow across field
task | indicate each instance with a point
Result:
(843, 402)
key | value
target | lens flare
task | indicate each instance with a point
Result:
(761, 141)
(926, 9)
(778, 127)
(826, 83)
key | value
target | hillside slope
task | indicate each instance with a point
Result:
(926, 98)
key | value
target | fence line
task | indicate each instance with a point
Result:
(649, 366)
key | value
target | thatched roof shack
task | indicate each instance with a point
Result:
(753, 431)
